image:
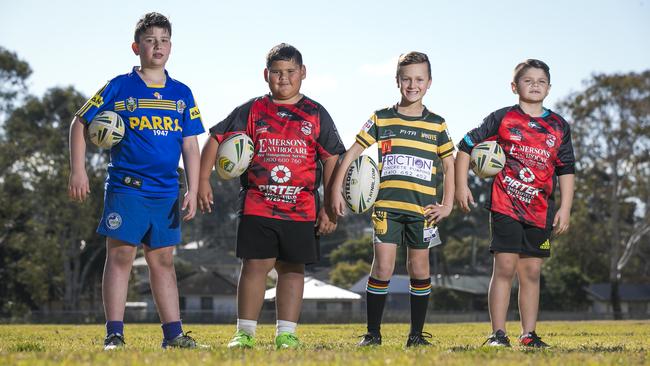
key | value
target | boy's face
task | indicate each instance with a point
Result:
(413, 81)
(533, 86)
(285, 79)
(153, 47)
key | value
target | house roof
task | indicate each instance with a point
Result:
(627, 291)
(319, 290)
(206, 282)
(399, 284)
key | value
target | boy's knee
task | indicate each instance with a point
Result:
(160, 260)
(284, 267)
(382, 271)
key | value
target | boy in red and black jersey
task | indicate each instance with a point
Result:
(293, 135)
(537, 144)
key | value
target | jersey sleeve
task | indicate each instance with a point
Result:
(192, 122)
(565, 160)
(328, 139)
(101, 101)
(445, 145)
(488, 129)
(237, 121)
(368, 134)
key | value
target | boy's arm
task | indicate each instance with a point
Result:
(208, 158)
(435, 213)
(191, 161)
(336, 203)
(561, 220)
(78, 186)
(463, 194)
(325, 223)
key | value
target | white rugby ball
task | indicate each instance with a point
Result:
(106, 129)
(361, 184)
(487, 159)
(234, 155)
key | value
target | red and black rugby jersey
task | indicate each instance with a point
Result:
(537, 150)
(289, 139)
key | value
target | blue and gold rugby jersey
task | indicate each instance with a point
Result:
(410, 154)
(157, 118)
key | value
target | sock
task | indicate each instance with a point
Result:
(114, 327)
(285, 326)
(376, 292)
(172, 330)
(420, 291)
(247, 326)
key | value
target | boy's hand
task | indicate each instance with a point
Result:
(206, 200)
(189, 204)
(436, 212)
(324, 224)
(78, 187)
(337, 204)
(464, 198)
(561, 221)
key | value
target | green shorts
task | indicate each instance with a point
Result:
(397, 228)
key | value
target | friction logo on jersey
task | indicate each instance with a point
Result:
(113, 220)
(180, 106)
(131, 104)
(407, 165)
(526, 175)
(280, 174)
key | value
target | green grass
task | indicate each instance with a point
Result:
(574, 343)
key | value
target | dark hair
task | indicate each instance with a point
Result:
(413, 58)
(149, 20)
(531, 62)
(283, 52)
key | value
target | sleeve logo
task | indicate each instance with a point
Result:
(194, 113)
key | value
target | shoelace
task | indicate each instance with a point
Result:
(423, 335)
(503, 339)
(115, 335)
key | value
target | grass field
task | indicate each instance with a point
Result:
(574, 343)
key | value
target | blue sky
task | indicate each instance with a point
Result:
(349, 47)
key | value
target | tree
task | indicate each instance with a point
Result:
(13, 75)
(345, 274)
(54, 247)
(611, 137)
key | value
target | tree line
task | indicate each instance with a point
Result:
(50, 255)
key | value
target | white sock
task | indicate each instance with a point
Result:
(247, 326)
(285, 326)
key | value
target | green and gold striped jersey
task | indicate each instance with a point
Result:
(410, 154)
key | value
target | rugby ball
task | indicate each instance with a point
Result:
(487, 159)
(361, 184)
(106, 129)
(234, 155)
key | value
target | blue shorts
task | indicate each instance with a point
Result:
(135, 219)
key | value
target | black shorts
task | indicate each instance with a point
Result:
(289, 241)
(512, 236)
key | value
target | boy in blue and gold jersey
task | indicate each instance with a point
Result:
(141, 202)
(414, 152)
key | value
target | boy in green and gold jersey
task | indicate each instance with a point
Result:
(415, 158)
